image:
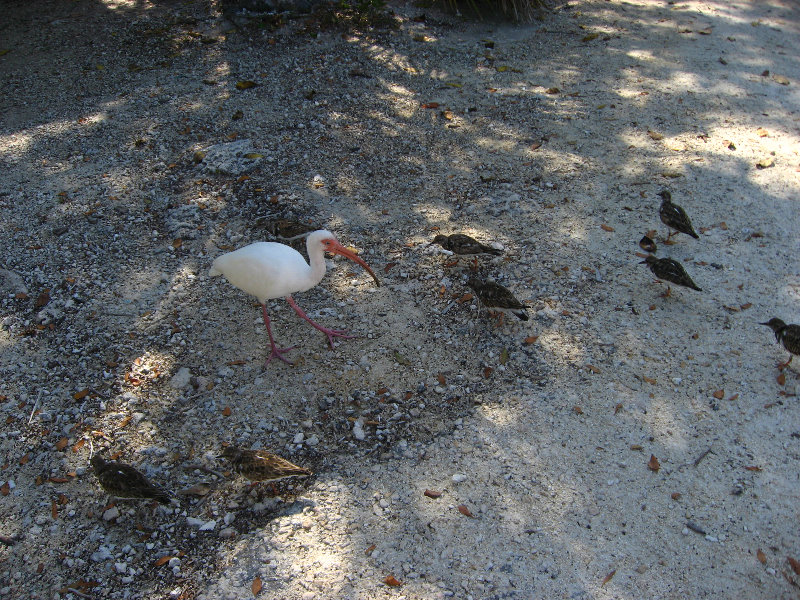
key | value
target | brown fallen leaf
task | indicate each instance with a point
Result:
(653, 463)
(429, 105)
(618, 407)
(608, 577)
(432, 494)
(765, 163)
(577, 410)
(256, 586)
(753, 468)
(125, 421)
(81, 395)
(462, 508)
(163, 560)
(440, 378)
(389, 266)
(53, 509)
(605, 227)
(487, 372)
(24, 460)
(62, 443)
(42, 300)
(200, 489)
(370, 550)
(5, 489)
(226, 412)
(590, 36)
(553, 90)
(719, 394)
(675, 495)
(762, 558)
(390, 580)
(734, 397)
(654, 135)
(782, 379)
(746, 306)
(531, 339)
(245, 84)
(761, 132)
(637, 447)
(78, 445)
(649, 380)
(592, 368)
(795, 564)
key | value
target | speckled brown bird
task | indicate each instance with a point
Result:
(674, 217)
(670, 270)
(123, 481)
(260, 465)
(498, 299)
(647, 244)
(786, 335)
(461, 244)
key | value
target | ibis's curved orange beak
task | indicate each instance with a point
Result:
(334, 247)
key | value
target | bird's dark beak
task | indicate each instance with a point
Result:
(767, 324)
(642, 262)
(337, 248)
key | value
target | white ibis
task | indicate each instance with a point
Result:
(270, 270)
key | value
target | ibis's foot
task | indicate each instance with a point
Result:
(278, 352)
(334, 333)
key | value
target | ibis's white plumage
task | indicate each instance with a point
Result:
(269, 270)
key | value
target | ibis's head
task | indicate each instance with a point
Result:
(330, 244)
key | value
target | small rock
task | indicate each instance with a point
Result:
(459, 477)
(298, 438)
(181, 379)
(101, 554)
(174, 562)
(111, 514)
(120, 567)
(209, 526)
(313, 440)
(358, 429)
(227, 533)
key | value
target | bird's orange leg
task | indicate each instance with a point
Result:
(275, 351)
(667, 293)
(331, 333)
(782, 366)
(669, 237)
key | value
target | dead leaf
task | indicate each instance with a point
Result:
(382, 391)
(42, 300)
(706, 31)
(24, 460)
(53, 509)
(390, 580)
(462, 508)
(653, 463)
(62, 443)
(589, 37)
(755, 468)
(654, 135)
(432, 494)
(429, 105)
(636, 447)
(577, 410)
(605, 227)
(162, 561)
(440, 378)
(553, 90)
(245, 84)
(201, 489)
(256, 586)
(125, 421)
(80, 395)
(226, 412)
(746, 305)
(718, 394)
(536, 145)
(370, 550)
(795, 565)
(782, 379)
(389, 266)
(732, 398)
(487, 372)
(618, 407)
(504, 356)
(780, 79)
(78, 445)
(531, 339)
(177, 243)
(762, 558)
(593, 369)
(675, 495)
(608, 577)
(5, 489)
(761, 132)
(649, 380)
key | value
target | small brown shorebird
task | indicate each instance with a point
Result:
(260, 465)
(288, 229)
(498, 299)
(647, 244)
(670, 270)
(461, 244)
(674, 217)
(786, 335)
(123, 481)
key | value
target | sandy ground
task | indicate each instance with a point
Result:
(619, 444)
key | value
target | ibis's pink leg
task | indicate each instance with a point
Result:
(275, 350)
(331, 333)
